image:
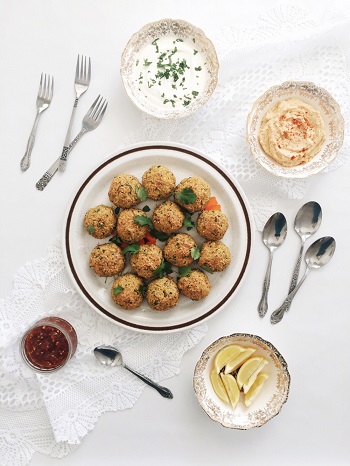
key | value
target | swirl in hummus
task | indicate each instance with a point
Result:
(292, 132)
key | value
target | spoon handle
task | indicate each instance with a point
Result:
(296, 271)
(165, 392)
(263, 306)
(278, 314)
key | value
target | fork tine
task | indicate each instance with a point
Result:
(44, 87)
(100, 116)
(51, 89)
(77, 69)
(89, 71)
(40, 85)
(99, 110)
(88, 113)
(93, 114)
(81, 73)
(85, 70)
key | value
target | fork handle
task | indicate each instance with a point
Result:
(25, 162)
(67, 150)
(64, 154)
(48, 175)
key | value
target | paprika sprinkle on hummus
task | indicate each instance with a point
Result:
(292, 132)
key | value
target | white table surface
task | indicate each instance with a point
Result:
(313, 427)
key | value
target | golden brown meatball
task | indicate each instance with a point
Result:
(100, 221)
(126, 291)
(159, 182)
(215, 255)
(107, 260)
(199, 187)
(212, 224)
(162, 294)
(167, 217)
(177, 249)
(124, 191)
(128, 230)
(147, 260)
(195, 286)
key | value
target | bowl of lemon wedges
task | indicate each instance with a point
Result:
(241, 381)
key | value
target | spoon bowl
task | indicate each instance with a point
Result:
(110, 356)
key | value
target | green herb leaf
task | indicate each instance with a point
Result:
(146, 208)
(116, 240)
(159, 235)
(195, 253)
(146, 62)
(143, 289)
(142, 220)
(199, 68)
(186, 196)
(195, 52)
(188, 222)
(195, 93)
(156, 45)
(184, 271)
(91, 229)
(137, 62)
(207, 268)
(163, 269)
(117, 210)
(141, 193)
(117, 290)
(132, 248)
(179, 40)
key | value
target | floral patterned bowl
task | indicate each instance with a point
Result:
(313, 95)
(268, 403)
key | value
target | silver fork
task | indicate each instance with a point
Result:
(81, 85)
(43, 101)
(91, 121)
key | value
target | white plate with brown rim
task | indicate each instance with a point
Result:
(183, 162)
(267, 404)
(318, 98)
(169, 68)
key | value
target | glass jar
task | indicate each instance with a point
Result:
(49, 344)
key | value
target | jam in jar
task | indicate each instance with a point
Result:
(49, 344)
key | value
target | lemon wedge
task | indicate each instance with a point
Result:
(235, 362)
(249, 371)
(255, 389)
(218, 386)
(224, 355)
(232, 389)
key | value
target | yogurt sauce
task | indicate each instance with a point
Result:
(171, 72)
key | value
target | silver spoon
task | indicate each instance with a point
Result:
(110, 356)
(274, 234)
(318, 255)
(307, 222)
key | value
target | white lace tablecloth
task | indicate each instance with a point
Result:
(52, 413)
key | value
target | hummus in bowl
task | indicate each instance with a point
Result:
(295, 129)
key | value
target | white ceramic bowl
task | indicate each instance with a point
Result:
(268, 403)
(183, 162)
(313, 95)
(132, 66)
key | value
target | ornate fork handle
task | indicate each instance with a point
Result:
(165, 392)
(67, 150)
(263, 306)
(25, 162)
(47, 177)
(296, 271)
(278, 314)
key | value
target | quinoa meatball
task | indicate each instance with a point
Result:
(124, 191)
(100, 221)
(107, 260)
(159, 182)
(195, 286)
(212, 224)
(162, 294)
(147, 260)
(215, 255)
(201, 189)
(129, 230)
(177, 249)
(126, 291)
(167, 217)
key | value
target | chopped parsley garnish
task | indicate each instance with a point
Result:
(195, 52)
(159, 235)
(195, 253)
(116, 240)
(91, 229)
(184, 271)
(146, 62)
(195, 93)
(142, 220)
(137, 62)
(186, 196)
(188, 222)
(141, 193)
(117, 290)
(198, 68)
(143, 289)
(146, 208)
(132, 248)
(207, 268)
(163, 269)
(117, 210)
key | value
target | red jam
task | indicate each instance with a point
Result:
(49, 344)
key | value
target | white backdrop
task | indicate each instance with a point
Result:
(43, 35)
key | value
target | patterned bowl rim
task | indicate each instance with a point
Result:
(262, 157)
(199, 102)
(239, 336)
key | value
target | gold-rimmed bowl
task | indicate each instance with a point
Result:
(268, 403)
(318, 98)
(132, 63)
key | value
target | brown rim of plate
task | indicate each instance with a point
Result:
(85, 291)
